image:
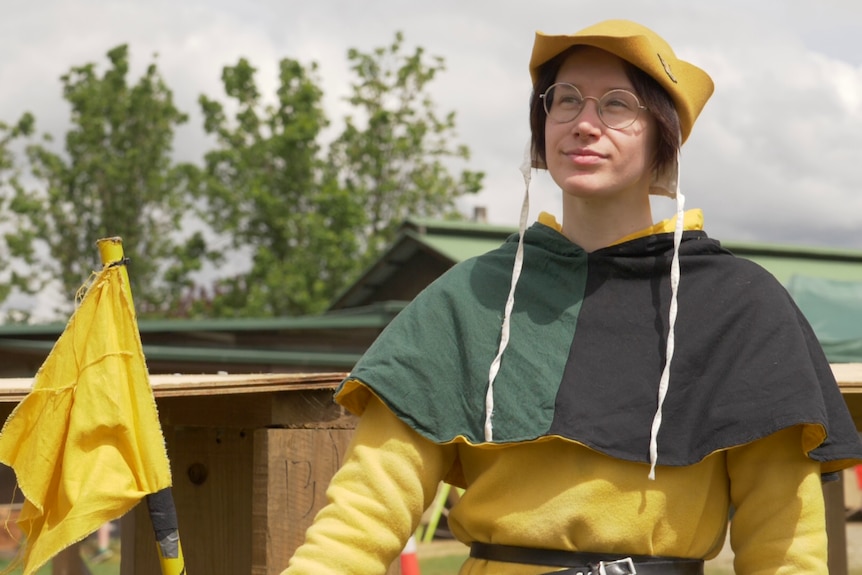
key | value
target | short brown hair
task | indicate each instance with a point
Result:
(654, 97)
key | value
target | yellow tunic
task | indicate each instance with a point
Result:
(562, 495)
(559, 494)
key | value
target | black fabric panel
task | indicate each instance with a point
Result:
(616, 356)
(746, 362)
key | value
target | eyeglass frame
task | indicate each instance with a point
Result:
(598, 101)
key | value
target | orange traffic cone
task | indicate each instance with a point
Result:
(409, 559)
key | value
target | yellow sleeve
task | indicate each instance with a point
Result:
(779, 526)
(390, 474)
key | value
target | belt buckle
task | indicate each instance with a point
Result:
(621, 567)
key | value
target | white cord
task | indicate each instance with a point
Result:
(510, 301)
(664, 382)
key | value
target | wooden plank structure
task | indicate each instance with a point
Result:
(849, 377)
(251, 456)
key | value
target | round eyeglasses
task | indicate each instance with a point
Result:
(618, 109)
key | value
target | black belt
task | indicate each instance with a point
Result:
(587, 563)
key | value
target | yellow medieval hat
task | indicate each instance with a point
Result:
(688, 86)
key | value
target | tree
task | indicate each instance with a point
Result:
(266, 192)
(311, 221)
(10, 184)
(293, 221)
(116, 178)
(398, 164)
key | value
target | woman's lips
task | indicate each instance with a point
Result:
(584, 156)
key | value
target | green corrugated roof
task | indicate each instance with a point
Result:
(211, 355)
(784, 262)
(453, 240)
(460, 240)
(459, 228)
(784, 268)
(376, 315)
(460, 249)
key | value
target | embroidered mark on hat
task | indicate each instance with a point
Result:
(667, 70)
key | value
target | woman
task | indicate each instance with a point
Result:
(643, 382)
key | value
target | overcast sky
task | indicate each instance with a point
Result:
(775, 157)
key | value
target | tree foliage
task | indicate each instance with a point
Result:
(10, 185)
(396, 155)
(265, 190)
(115, 178)
(313, 218)
(289, 208)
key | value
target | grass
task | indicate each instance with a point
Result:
(106, 568)
(444, 565)
(434, 559)
(449, 565)
(110, 566)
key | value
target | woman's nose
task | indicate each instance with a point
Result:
(588, 122)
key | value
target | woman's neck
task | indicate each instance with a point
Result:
(597, 223)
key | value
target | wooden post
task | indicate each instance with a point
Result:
(833, 494)
(211, 470)
(849, 377)
(69, 562)
(292, 469)
(238, 446)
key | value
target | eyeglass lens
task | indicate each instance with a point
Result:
(618, 109)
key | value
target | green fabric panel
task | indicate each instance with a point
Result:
(746, 364)
(465, 305)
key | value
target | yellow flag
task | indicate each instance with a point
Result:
(86, 444)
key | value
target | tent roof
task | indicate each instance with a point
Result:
(453, 242)
(815, 277)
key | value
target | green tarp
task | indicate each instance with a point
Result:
(834, 309)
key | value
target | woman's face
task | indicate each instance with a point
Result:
(586, 158)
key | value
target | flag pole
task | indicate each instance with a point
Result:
(163, 513)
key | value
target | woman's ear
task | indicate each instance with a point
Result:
(536, 162)
(665, 181)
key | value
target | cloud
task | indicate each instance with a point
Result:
(773, 157)
(774, 150)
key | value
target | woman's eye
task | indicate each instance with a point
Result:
(570, 101)
(618, 104)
